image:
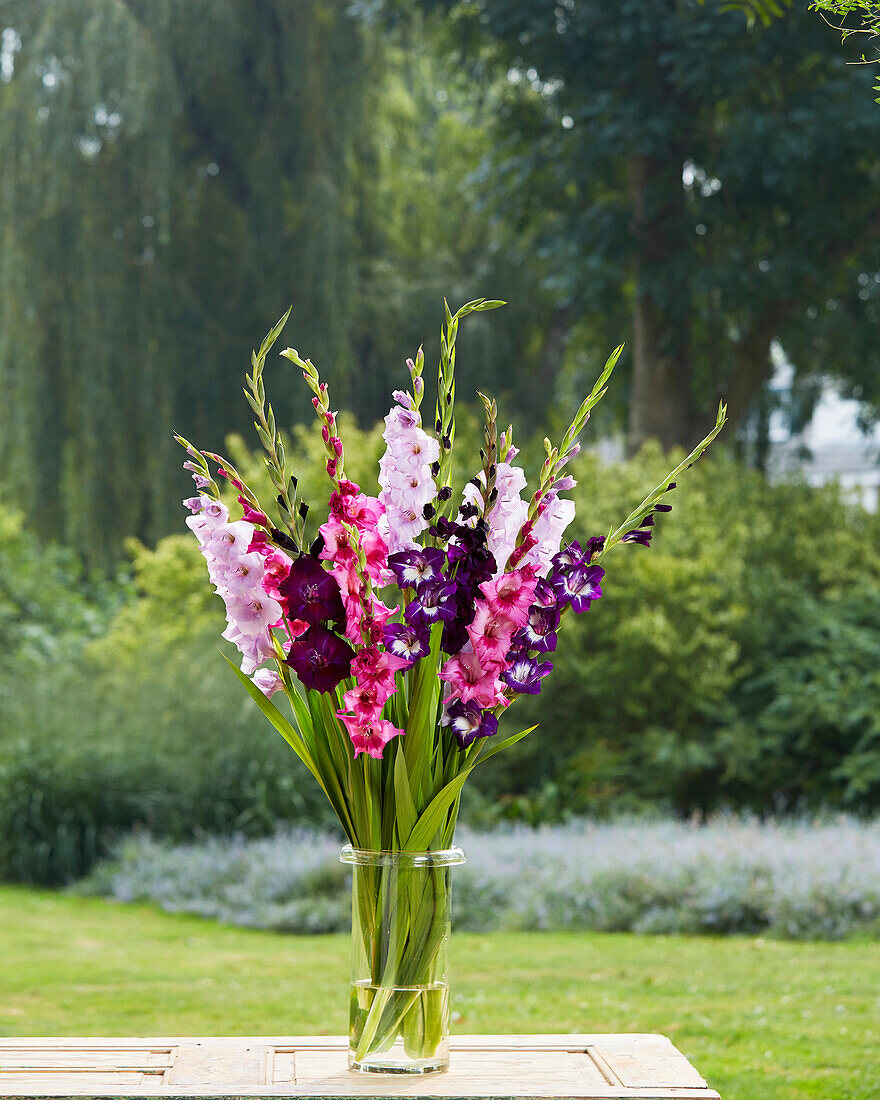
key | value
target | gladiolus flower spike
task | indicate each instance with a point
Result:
(386, 650)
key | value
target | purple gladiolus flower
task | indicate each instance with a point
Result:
(310, 593)
(320, 658)
(569, 556)
(412, 568)
(468, 722)
(435, 601)
(579, 586)
(545, 594)
(525, 674)
(539, 631)
(639, 537)
(407, 640)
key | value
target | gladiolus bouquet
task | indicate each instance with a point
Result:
(403, 632)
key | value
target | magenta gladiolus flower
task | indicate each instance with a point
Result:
(512, 592)
(369, 737)
(320, 658)
(471, 682)
(490, 634)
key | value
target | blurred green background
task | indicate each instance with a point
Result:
(697, 179)
(175, 174)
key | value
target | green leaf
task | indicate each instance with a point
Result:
(284, 727)
(432, 820)
(403, 800)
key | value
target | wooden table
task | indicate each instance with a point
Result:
(576, 1067)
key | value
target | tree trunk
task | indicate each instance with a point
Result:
(661, 405)
(752, 366)
(543, 379)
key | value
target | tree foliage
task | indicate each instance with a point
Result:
(709, 186)
(174, 175)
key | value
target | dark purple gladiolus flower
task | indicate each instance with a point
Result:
(525, 674)
(595, 545)
(310, 593)
(579, 586)
(468, 722)
(435, 601)
(412, 568)
(455, 635)
(539, 631)
(320, 658)
(407, 640)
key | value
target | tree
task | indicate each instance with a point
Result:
(713, 185)
(175, 173)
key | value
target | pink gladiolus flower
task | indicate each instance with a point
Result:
(549, 527)
(490, 635)
(253, 613)
(375, 668)
(405, 476)
(370, 737)
(470, 682)
(231, 539)
(276, 567)
(254, 650)
(513, 593)
(363, 703)
(253, 515)
(268, 681)
(336, 542)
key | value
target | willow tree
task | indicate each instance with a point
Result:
(174, 172)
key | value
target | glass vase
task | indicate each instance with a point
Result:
(400, 919)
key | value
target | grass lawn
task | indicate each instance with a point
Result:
(761, 1019)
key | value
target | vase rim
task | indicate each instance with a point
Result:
(369, 857)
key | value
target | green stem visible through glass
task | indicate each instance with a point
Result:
(399, 1019)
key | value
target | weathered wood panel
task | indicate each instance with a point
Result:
(565, 1067)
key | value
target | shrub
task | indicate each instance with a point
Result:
(800, 879)
(734, 663)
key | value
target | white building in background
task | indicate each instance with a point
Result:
(831, 447)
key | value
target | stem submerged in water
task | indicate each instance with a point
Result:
(400, 932)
